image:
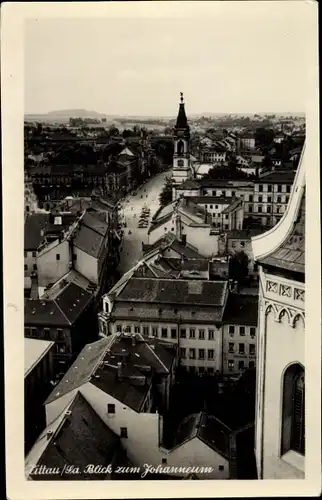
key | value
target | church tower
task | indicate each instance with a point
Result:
(181, 158)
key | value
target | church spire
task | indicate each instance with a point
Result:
(182, 121)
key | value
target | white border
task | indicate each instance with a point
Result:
(13, 15)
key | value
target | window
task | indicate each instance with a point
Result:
(226, 216)
(34, 267)
(293, 416)
(128, 329)
(269, 188)
(211, 334)
(27, 208)
(201, 334)
(250, 208)
(60, 334)
(279, 199)
(210, 206)
(252, 330)
(260, 199)
(252, 364)
(231, 347)
(214, 193)
(286, 199)
(241, 349)
(233, 193)
(192, 353)
(221, 467)
(216, 206)
(145, 330)
(119, 328)
(74, 256)
(269, 199)
(279, 188)
(242, 244)
(57, 256)
(111, 408)
(250, 197)
(164, 333)
(47, 333)
(183, 333)
(192, 333)
(26, 267)
(260, 209)
(201, 369)
(211, 353)
(201, 354)
(164, 461)
(241, 365)
(34, 254)
(155, 331)
(242, 330)
(182, 352)
(288, 189)
(233, 244)
(268, 209)
(232, 330)
(260, 188)
(211, 370)
(137, 330)
(173, 333)
(123, 432)
(252, 349)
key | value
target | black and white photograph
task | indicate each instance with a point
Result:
(167, 172)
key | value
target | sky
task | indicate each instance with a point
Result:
(224, 60)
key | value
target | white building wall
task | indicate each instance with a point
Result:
(49, 268)
(86, 265)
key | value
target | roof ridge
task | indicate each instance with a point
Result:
(62, 310)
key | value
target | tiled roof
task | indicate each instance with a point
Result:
(241, 310)
(277, 177)
(207, 428)
(160, 313)
(62, 311)
(291, 254)
(189, 184)
(88, 241)
(33, 225)
(80, 440)
(169, 240)
(82, 369)
(167, 291)
(94, 222)
(98, 363)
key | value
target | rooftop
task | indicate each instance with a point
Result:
(237, 202)
(277, 177)
(168, 291)
(119, 365)
(81, 438)
(241, 310)
(291, 254)
(35, 350)
(63, 310)
(208, 429)
(34, 223)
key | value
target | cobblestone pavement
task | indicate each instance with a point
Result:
(146, 196)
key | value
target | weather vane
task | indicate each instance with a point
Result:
(181, 96)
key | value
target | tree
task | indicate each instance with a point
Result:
(113, 131)
(165, 196)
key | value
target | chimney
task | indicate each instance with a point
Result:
(178, 227)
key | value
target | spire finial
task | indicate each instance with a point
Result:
(181, 97)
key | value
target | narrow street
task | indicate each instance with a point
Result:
(146, 196)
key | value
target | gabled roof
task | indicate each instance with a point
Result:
(277, 177)
(35, 350)
(81, 438)
(208, 429)
(168, 291)
(33, 226)
(62, 311)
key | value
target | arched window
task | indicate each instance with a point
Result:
(293, 420)
(180, 147)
